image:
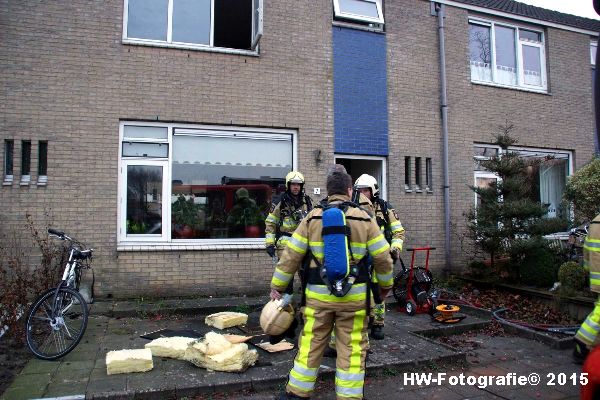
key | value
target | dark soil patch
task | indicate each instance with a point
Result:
(520, 307)
(13, 357)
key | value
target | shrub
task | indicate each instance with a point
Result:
(538, 267)
(28, 266)
(478, 269)
(583, 190)
(572, 275)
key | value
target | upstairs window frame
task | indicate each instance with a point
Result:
(256, 26)
(593, 50)
(340, 13)
(520, 44)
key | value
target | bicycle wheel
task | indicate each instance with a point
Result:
(55, 327)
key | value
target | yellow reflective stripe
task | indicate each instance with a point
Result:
(594, 326)
(592, 245)
(317, 248)
(592, 240)
(585, 337)
(378, 245)
(375, 240)
(298, 243)
(272, 219)
(358, 292)
(307, 336)
(270, 238)
(396, 226)
(595, 282)
(281, 278)
(355, 340)
(385, 279)
(358, 249)
(289, 224)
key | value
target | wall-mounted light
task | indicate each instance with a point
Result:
(317, 154)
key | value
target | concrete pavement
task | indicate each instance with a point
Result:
(118, 325)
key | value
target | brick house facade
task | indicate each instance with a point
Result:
(72, 81)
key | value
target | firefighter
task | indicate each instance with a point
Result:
(588, 334)
(322, 309)
(390, 226)
(286, 214)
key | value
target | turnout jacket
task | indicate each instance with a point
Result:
(365, 237)
(591, 254)
(285, 216)
(394, 227)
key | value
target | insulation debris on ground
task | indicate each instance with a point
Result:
(171, 347)
(274, 348)
(125, 361)
(226, 319)
(216, 353)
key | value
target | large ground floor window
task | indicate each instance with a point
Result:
(549, 175)
(201, 184)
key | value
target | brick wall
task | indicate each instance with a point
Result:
(68, 79)
(359, 92)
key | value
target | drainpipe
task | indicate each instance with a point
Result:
(439, 8)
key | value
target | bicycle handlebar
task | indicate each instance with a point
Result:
(55, 232)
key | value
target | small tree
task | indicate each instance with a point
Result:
(583, 190)
(507, 221)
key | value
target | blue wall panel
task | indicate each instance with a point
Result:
(360, 92)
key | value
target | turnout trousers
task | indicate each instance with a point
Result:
(350, 321)
(589, 331)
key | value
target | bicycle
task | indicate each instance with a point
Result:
(58, 318)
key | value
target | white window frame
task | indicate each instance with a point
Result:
(257, 32)
(166, 196)
(486, 174)
(357, 17)
(593, 43)
(518, 53)
(257, 23)
(164, 241)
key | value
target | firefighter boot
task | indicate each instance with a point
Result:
(580, 352)
(377, 332)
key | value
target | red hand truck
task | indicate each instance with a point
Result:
(413, 287)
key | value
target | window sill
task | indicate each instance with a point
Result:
(358, 27)
(520, 88)
(7, 183)
(140, 42)
(185, 246)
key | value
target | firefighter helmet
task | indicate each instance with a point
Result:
(294, 177)
(367, 181)
(276, 317)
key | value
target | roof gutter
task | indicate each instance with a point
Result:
(484, 10)
(439, 10)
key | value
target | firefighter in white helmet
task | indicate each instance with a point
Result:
(286, 214)
(391, 227)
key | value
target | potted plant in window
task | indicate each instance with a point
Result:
(245, 218)
(185, 217)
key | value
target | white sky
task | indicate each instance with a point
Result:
(583, 8)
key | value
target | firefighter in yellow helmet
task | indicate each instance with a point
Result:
(286, 214)
(588, 335)
(391, 227)
(323, 309)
